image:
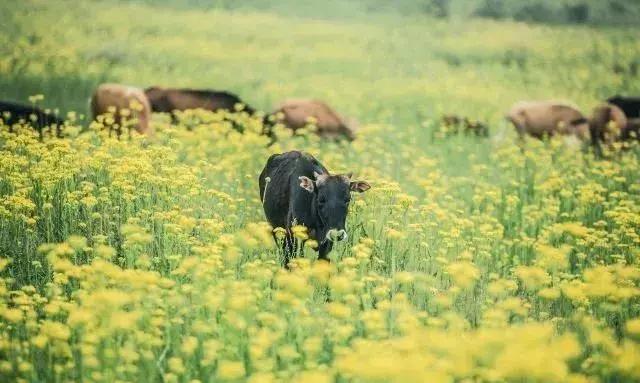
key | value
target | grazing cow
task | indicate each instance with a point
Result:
(548, 118)
(13, 113)
(295, 188)
(476, 127)
(607, 123)
(126, 104)
(298, 113)
(629, 105)
(451, 120)
(167, 100)
(454, 123)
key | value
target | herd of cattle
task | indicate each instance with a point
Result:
(293, 113)
(132, 107)
(295, 188)
(616, 119)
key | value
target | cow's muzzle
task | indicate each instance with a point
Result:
(335, 235)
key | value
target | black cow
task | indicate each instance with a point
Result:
(629, 105)
(295, 188)
(632, 132)
(13, 113)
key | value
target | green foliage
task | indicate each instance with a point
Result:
(615, 12)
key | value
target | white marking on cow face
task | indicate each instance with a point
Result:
(306, 183)
(335, 235)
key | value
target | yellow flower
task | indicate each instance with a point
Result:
(230, 370)
(279, 232)
(314, 377)
(39, 341)
(294, 283)
(300, 232)
(464, 274)
(549, 293)
(12, 315)
(633, 326)
(77, 242)
(55, 330)
(311, 244)
(574, 228)
(189, 345)
(262, 377)
(338, 310)
(3, 263)
(532, 277)
(176, 365)
(340, 285)
(551, 258)
(395, 234)
(502, 287)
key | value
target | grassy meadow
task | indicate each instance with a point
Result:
(470, 260)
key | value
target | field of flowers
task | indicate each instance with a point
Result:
(148, 259)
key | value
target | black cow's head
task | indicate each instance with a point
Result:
(331, 201)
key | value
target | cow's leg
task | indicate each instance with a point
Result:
(595, 140)
(289, 249)
(267, 130)
(522, 131)
(324, 249)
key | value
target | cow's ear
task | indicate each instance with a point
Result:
(359, 186)
(306, 183)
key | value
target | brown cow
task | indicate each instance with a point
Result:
(607, 123)
(168, 100)
(298, 113)
(548, 118)
(127, 105)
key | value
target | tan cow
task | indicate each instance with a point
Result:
(548, 118)
(298, 113)
(607, 123)
(127, 105)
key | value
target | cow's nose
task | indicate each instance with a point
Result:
(336, 235)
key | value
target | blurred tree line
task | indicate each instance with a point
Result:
(562, 11)
(613, 12)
